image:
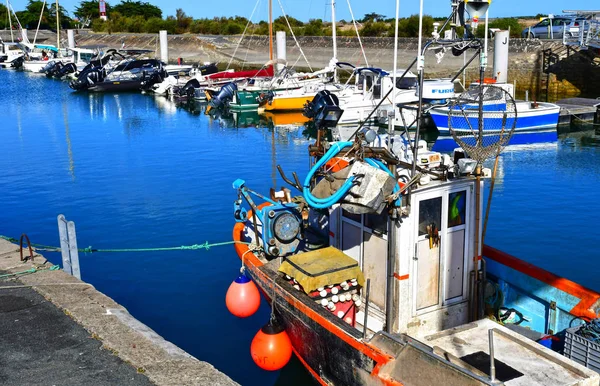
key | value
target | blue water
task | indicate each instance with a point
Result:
(132, 170)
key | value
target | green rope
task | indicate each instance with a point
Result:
(193, 247)
(32, 270)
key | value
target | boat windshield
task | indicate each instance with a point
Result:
(406, 83)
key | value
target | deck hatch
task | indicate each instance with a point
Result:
(481, 361)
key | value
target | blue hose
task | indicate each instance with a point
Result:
(323, 203)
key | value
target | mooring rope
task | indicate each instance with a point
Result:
(193, 247)
(30, 271)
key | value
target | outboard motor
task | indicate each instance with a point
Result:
(18, 62)
(188, 90)
(224, 95)
(265, 97)
(87, 78)
(49, 66)
(69, 68)
(324, 109)
(208, 69)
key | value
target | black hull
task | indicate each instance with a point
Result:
(116, 86)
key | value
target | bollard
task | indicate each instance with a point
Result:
(71, 38)
(68, 246)
(164, 47)
(281, 50)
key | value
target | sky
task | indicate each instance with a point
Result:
(320, 9)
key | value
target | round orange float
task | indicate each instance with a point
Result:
(243, 298)
(271, 347)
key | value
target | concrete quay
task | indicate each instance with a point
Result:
(56, 329)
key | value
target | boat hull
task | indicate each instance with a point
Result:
(283, 103)
(117, 86)
(529, 123)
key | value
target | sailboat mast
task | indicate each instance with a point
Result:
(57, 27)
(270, 29)
(12, 38)
(333, 29)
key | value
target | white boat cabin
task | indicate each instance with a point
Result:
(434, 248)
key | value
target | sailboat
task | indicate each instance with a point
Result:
(46, 52)
(376, 273)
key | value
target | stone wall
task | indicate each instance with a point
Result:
(576, 75)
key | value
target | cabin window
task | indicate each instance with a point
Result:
(377, 89)
(377, 222)
(456, 208)
(406, 83)
(368, 82)
(360, 82)
(430, 212)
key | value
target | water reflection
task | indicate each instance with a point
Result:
(68, 139)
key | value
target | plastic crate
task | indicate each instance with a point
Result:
(582, 350)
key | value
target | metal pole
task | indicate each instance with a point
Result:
(393, 116)
(270, 30)
(333, 29)
(492, 364)
(73, 253)
(57, 26)
(391, 260)
(366, 308)
(12, 38)
(64, 244)
(420, 68)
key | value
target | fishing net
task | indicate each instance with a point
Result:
(482, 120)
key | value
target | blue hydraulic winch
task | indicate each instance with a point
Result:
(281, 222)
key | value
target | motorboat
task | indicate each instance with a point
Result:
(128, 74)
(533, 120)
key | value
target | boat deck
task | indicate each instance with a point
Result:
(519, 360)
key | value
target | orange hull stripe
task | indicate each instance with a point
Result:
(253, 263)
(587, 296)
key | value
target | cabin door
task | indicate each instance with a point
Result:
(441, 250)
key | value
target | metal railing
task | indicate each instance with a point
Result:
(589, 35)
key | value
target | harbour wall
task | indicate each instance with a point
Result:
(571, 76)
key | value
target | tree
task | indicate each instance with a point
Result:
(89, 9)
(3, 17)
(129, 8)
(373, 17)
(183, 21)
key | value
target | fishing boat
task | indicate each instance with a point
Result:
(377, 272)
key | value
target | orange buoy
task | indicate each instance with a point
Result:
(243, 298)
(271, 347)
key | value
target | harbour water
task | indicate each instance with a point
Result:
(137, 171)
